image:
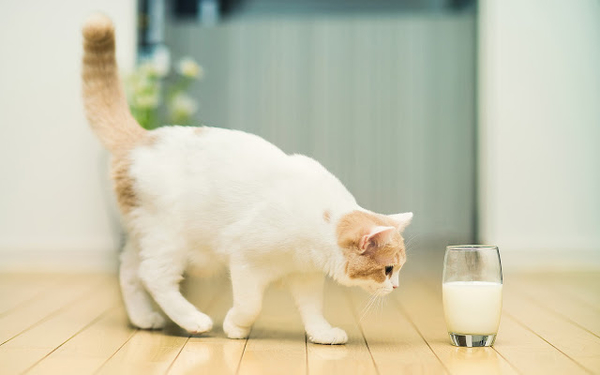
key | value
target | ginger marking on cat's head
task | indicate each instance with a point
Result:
(371, 244)
(327, 216)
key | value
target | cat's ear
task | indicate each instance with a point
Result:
(403, 220)
(378, 236)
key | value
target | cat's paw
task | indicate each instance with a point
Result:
(196, 323)
(151, 320)
(329, 336)
(233, 331)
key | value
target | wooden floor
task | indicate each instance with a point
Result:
(75, 324)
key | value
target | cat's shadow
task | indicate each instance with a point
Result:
(217, 332)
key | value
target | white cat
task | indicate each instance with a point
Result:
(206, 198)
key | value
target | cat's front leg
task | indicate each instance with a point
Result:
(248, 289)
(308, 293)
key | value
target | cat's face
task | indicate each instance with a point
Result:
(374, 250)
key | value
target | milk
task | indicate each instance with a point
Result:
(472, 307)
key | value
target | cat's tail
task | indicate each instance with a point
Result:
(104, 99)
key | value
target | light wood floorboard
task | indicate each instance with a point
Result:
(88, 350)
(212, 353)
(154, 352)
(569, 338)
(560, 300)
(27, 348)
(352, 358)
(26, 315)
(277, 333)
(76, 324)
(424, 309)
(585, 286)
(524, 349)
(18, 289)
(396, 346)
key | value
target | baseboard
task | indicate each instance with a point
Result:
(550, 260)
(58, 261)
(107, 261)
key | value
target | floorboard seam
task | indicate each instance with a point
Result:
(96, 319)
(133, 333)
(510, 316)
(32, 298)
(177, 356)
(409, 319)
(55, 312)
(553, 312)
(237, 369)
(357, 322)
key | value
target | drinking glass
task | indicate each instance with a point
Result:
(472, 294)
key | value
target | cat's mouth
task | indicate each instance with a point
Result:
(379, 291)
(384, 292)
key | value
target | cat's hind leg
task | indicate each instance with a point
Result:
(163, 262)
(139, 305)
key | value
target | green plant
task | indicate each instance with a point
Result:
(150, 83)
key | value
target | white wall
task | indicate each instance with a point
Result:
(53, 209)
(52, 169)
(539, 96)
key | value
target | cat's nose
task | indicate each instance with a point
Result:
(395, 286)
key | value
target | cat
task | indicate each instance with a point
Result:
(206, 198)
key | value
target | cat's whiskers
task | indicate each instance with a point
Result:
(382, 301)
(368, 306)
(411, 239)
(378, 305)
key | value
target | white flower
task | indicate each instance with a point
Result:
(157, 66)
(141, 84)
(187, 67)
(183, 106)
(161, 61)
(147, 69)
(146, 100)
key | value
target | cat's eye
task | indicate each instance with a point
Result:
(388, 270)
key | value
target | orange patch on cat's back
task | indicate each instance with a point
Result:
(327, 216)
(123, 182)
(148, 140)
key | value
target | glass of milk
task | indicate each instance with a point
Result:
(472, 293)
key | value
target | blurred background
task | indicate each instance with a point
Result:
(481, 117)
